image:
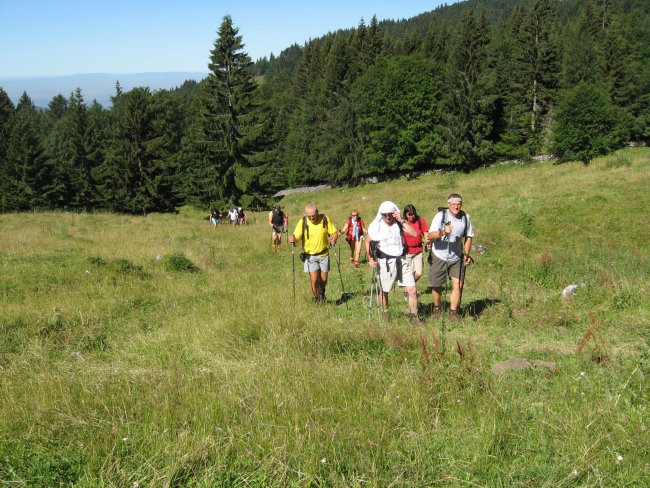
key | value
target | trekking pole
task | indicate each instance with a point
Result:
(463, 269)
(338, 264)
(293, 272)
(374, 287)
(461, 280)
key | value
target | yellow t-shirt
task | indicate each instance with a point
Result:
(316, 243)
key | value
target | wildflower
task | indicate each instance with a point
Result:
(574, 473)
(323, 460)
(619, 458)
(583, 374)
(124, 439)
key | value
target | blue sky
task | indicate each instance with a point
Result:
(65, 37)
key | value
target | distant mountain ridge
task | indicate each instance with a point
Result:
(94, 86)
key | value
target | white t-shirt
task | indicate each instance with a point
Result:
(389, 237)
(454, 240)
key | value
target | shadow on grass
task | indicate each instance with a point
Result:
(473, 309)
(477, 307)
(345, 297)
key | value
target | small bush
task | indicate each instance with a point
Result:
(178, 262)
(622, 159)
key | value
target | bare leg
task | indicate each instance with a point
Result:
(412, 299)
(457, 286)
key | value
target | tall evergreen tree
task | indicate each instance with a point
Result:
(57, 106)
(534, 79)
(468, 101)
(582, 57)
(6, 112)
(136, 178)
(229, 141)
(588, 124)
(22, 175)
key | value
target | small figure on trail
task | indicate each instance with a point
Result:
(387, 250)
(241, 216)
(314, 229)
(233, 215)
(278, 220)
(354, 229)
(452, 242)
(414, 246)
(215, 217)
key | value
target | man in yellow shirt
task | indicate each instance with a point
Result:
(314, 230)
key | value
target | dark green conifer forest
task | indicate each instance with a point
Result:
(459, 87)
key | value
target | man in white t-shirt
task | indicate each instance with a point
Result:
(389, 251)
(450, 255)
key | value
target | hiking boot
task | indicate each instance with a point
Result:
(454, 316)
(414, 319)
(435, 313)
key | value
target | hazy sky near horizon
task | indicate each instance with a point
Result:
(65, 37)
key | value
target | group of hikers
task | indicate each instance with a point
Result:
(236, 216)
(395, 246)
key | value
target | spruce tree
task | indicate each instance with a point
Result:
(588, 124)
(136, 178)
(6, 111)
(229, 140)
(468, 100)
(534, 79)
(57, 106)
(23, 174)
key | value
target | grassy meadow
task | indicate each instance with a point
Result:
(159, 351)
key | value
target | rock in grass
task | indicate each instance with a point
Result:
(517, 364)
(512, 364)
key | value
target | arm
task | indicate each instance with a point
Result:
(467, 248)
(270, 219)
(409, 230)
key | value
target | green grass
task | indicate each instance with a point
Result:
(158, 351)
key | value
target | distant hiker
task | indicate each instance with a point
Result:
(278, 220)
(450, 254)
(313, 229)
(387, 249)
(354, 229)
(414, 247)
(215, 217)
(234, 218)
(241, 216)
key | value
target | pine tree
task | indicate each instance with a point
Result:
(582, 54)
(468, 101)
(229, 142)
(6, 112)
(23, 171)
(435, 45)
(136, 178)
(534, 80)
(309, 70)
(588, 124)
(57, 106)
(373, 45)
